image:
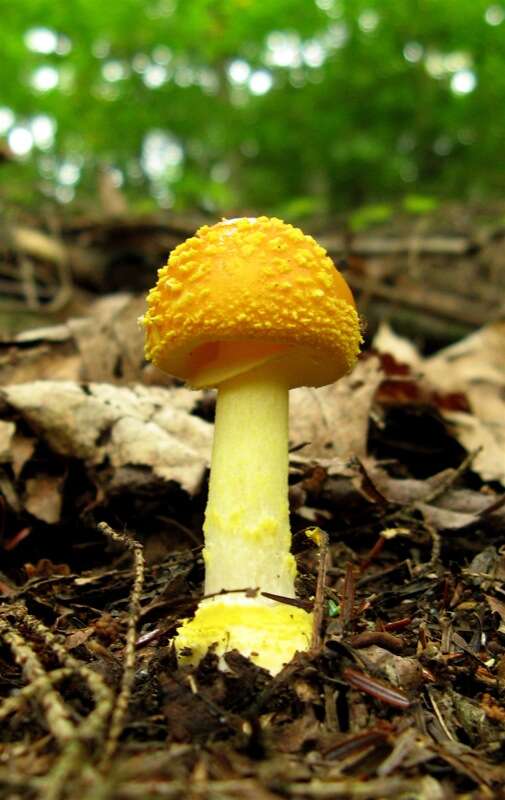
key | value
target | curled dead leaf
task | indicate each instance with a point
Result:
(332, 421)
(44, 497)
(7, 431)
(475, 368)
(147, 427)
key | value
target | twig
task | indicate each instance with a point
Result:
(483, 575)
(371, 244)
(439, 716)
(414, 261)
(436, 545)
(381, 690)
(74, 750)
(93, 725)
(428, 498)
(430, 301)
(123, 698)
(322, 540)
(16, 701)
(436, 492)
(72, 738)
(443, 486)
(358, 789)
(57, 715)
(378, 576)
(68, 761)
(20, 782)
(348, 596)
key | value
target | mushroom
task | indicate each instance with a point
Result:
(253, 307)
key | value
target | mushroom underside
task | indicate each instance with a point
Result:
(209, 363)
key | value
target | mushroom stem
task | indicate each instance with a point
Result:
(247, 535)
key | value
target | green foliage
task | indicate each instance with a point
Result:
(299, 208)
(333, 608)
(367, 216)
(420, 204)
(298, 106)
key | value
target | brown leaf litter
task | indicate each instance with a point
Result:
(402, 693)
(474, 367)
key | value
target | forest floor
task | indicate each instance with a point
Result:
(103, 470)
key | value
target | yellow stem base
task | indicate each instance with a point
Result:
(269, 635)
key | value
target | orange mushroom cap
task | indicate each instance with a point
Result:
(246, 291)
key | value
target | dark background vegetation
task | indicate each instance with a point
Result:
(294, 107)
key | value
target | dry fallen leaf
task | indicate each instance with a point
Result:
(110, 342)
(44, 497)
(7, 431)
(45, 568)
(404, 671)
(22, 449)
(333, 421)
(486, 439)
(78, 637)
(497, 607)
(104, 345)
(452, 509)
(141, 426)
(475, 367)
(14, 448)
(487, 566)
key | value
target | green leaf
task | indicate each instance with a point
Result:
(420, 204)
(367, 216)
(333, 609)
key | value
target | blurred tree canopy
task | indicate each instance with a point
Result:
(293, 106)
